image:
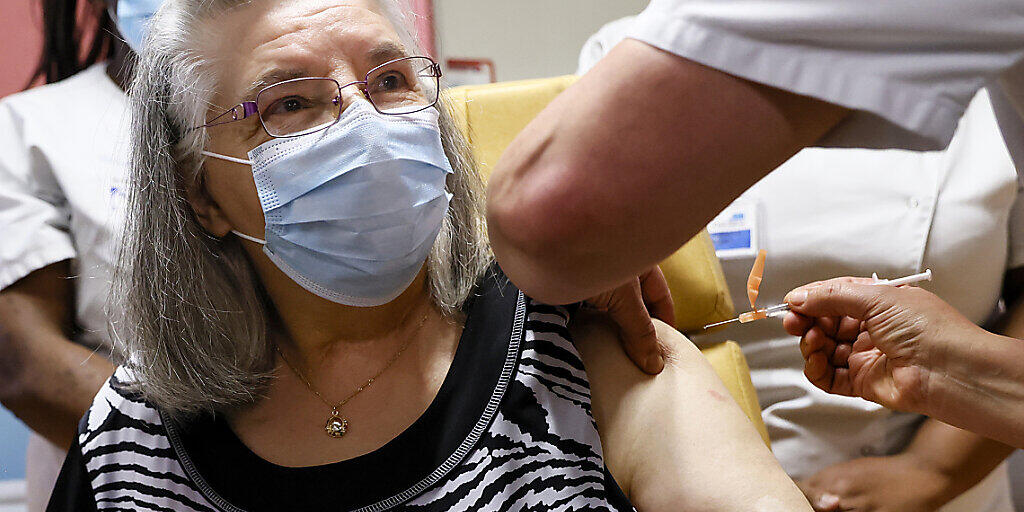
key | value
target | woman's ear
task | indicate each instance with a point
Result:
(207, 211)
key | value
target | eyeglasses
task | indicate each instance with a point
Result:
(305, 105)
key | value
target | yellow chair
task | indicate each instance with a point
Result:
(492, 115)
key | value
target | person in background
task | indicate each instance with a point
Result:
(845, 453)
(62, 168)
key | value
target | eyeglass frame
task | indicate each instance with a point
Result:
(250, 108)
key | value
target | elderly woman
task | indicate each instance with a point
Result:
(312, 318)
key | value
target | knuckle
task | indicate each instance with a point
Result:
(617, 297)
(649, 330)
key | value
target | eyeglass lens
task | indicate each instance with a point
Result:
(297, 107)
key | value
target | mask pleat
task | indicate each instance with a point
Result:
(356, 194)
(372, 239)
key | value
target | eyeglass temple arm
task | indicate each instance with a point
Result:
(248, 108)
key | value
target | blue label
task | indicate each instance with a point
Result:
(731, 240)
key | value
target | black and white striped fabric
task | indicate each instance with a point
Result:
(516, 395)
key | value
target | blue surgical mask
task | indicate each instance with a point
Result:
(132, 17)
(352, 211)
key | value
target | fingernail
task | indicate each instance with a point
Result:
(828, 501)
(796, 297)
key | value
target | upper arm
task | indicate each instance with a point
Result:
(642, 152)
(677, 439)
(906, 73)
(40, 303)
(35, 309)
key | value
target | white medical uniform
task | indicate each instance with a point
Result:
(908, 68)
(63, 159)
(837, 212)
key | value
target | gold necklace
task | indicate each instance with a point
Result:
(337, 426)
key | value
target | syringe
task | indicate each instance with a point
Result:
(781, 309)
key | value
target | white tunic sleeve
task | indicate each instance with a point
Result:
(33, 210)
(908, 68)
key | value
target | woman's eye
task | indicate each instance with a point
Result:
(390, 82)
(287, 105)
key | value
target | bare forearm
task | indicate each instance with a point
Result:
(630, 163)
(963, 457)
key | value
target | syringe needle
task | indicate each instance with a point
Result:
(723, 322)
(751, 316)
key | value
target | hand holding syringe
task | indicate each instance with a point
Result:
(754, 282)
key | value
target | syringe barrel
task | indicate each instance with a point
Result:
(916, 278)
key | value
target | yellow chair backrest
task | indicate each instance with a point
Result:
(492, 115)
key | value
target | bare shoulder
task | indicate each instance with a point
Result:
(597, 339)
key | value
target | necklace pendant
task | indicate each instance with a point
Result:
(336, 425)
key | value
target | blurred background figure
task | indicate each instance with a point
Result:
(61, 186)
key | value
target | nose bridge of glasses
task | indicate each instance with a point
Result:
(352, 91)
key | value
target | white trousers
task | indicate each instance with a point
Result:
(42, 465)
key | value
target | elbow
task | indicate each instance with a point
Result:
(535, 226)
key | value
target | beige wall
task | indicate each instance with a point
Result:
(524, 38)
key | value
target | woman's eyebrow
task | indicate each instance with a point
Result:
(385, 51)
(379, 54)
(267, 79)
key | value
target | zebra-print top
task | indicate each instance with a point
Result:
(510, 429)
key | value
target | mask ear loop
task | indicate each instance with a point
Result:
(244, 236)
(244, 162)
(228, 158)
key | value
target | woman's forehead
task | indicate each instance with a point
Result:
(303, 37)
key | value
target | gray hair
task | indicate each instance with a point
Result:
(187, 310)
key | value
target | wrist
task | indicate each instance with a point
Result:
(949, 361)
(964, 372)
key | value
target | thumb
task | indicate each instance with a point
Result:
(837, 297)
(639, 337)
